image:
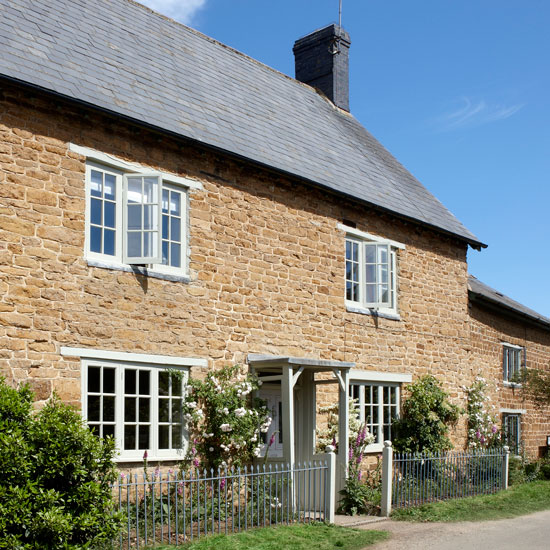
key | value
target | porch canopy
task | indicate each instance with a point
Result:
(296, 376)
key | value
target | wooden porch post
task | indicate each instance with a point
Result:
(343, 426)
(287, 395)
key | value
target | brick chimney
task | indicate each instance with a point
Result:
(322, 61)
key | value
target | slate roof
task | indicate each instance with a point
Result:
(119, 56)
(486, 293)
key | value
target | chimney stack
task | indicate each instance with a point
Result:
(322, 61)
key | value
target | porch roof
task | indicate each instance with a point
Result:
(268, 362)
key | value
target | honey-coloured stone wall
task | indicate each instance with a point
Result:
(266, 265)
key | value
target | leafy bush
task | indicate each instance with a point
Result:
(55, 477)
(425, 418)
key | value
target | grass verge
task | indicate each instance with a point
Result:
(516, 501)
(296, 537)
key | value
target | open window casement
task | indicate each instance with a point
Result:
(378, 275)
(142, 218)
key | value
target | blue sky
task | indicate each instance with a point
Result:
(458, 91)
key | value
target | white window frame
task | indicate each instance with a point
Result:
(520, 363)
(121, 168)
(506, 414)
(362, 238)
(154, 453)
(121, 360)
(380, 380)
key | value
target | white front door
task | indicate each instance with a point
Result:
(272, 396)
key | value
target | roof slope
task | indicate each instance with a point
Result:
(120, 56)
(489, 294)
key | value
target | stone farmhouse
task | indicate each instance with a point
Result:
(170, 203)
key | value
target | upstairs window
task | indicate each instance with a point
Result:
(135, 219)
(371, 275)
(513, 361)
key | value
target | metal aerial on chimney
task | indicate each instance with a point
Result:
(334, 46)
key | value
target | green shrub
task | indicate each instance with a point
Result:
(55, 477)
(425, 418)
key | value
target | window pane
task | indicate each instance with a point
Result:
(175, 229)
(108, 409)
(165, 199)
(95, 239)
(134, 216)
(134, 245)
(176, 436)
(96, 183)
(134, 190)
(130, 381)
(164, 383)
(95, 211)
(143, 437)
(175, 203)
(149, 244)
(383, 254)
(165, 246)
(370, 293)
(94, 407)
(110, 187)
(144, 409)
(176, 410)
(93, 379)
(164, 410)
(109, 244)
(164, 442)
(370, 273)
(370, 253)
(177, 385)
(109, 430)
(129, 437)
(150, 189)
(147, 217)
(144, 385)
(130, 409)
(175, 257)
(165, 234)
(109, 214)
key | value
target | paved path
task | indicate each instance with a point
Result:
(530, 532)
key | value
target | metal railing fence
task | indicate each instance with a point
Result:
(421, 478)
(174, 508)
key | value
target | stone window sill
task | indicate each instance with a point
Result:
(140, 270)
(373, 313)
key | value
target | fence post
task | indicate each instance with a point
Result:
(387, 471)
(331, 487)
(505, 466)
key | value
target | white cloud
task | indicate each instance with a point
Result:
(475, 113)
(181, 10)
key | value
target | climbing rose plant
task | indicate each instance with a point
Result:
(483, 431)
(225, 423)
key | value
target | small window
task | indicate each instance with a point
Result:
(135, 219)
(378, 408)
(140, 406)
(513, 361)
(511, 427)
(371, 275)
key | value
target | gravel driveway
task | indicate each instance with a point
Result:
(530, 532)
